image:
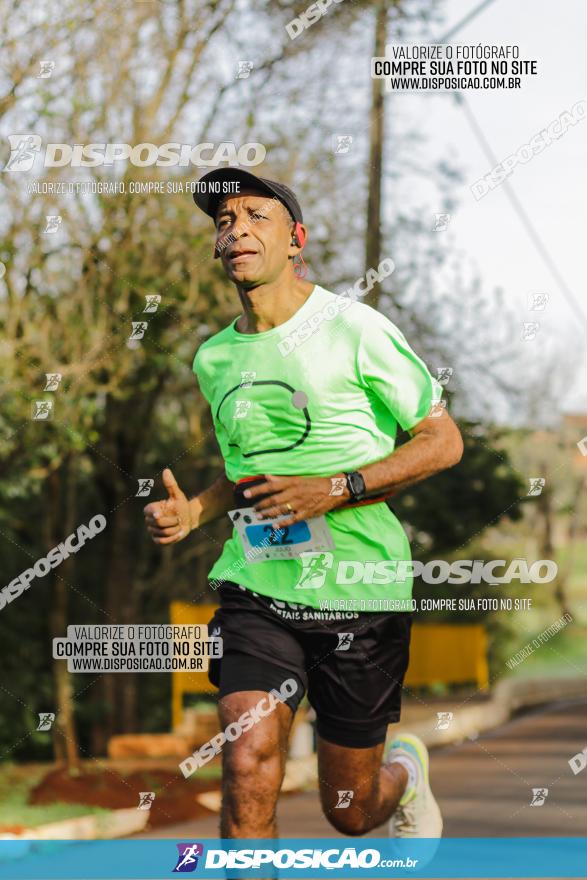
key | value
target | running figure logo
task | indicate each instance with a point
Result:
(441, 222)
(187, 861)
(344, 800)
(152, 301)
(314, 571)
(444, 719)
(46, 720)
(344, 641)
(53, 380)
(42, 409)
(538, 302)
(539, 796)
(146, 799)
(537, 484)
(23, 150)
(145, 486)
(138, 329)
(52, 224)
(443, 375)
(342, 144)
(47, 68)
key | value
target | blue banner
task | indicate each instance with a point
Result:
(529, 857)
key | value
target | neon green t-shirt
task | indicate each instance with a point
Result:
(320, 394)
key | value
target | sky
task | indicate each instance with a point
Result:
(552, 186)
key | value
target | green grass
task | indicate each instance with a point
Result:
(16, 784)
(563, 655)
(209, 771)
(14, 811)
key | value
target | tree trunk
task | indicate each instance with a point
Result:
(376, 143)
(65, 741)
(120, 445)
(120, 688)
(546, 543)
(562, 579)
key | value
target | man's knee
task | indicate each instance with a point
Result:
(256, 755)
(253, 754)
(253, 760)
(349, 786)
(353, 821)
(251, 779)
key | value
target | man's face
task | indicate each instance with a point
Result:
(253, 235)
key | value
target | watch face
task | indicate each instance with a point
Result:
(357, 484)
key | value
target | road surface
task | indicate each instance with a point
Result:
(484, 787)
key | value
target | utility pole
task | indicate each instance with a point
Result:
(376, 139)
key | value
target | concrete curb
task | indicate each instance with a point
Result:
(97, 826)
(508, 696)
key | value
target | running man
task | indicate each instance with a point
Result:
(308, 390)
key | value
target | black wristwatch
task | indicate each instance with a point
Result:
(356, 485)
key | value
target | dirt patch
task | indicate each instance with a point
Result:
(175, 797)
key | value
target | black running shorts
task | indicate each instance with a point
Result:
(351, 664)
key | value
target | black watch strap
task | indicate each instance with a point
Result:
(356, 485)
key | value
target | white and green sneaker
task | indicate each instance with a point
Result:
(417, 814)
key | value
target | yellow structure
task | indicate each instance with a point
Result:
(449, 654)
(188, 682)
(439, 653)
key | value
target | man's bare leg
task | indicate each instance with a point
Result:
(376, 788)
(253, 767)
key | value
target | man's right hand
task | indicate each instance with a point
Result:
(171, 520)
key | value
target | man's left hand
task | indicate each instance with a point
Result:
(297, 498)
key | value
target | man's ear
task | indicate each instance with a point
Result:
(299, 236)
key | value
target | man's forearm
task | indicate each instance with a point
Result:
(414, 461)
(421, 457)
(213, 502)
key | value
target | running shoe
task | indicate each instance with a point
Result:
(417, 814)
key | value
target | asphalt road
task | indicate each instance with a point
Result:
(484, 787)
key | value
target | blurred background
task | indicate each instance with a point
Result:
(492, 289)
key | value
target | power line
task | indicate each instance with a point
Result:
(469, 17)
(520, 211)
(509, 191)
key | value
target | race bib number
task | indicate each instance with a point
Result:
(265, 539)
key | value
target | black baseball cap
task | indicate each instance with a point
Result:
(208, 201)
